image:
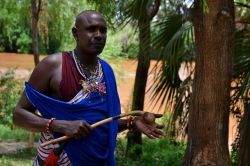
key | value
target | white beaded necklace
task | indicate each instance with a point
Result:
(94, 76)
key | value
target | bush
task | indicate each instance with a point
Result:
(15, 134)
(234, 158)
(10, 90)
(155, 152)
(24, 43)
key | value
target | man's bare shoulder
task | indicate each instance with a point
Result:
(52, 60)
(44, 71)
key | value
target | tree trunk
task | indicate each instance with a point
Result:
(134, 137)
(144, 20)
(209, 113)
(244, 144)
(31, 140)
(35, 10)
(35, 15)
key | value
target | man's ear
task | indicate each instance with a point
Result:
(74, 32)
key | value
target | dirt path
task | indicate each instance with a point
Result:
(12, 147)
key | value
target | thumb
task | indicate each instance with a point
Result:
(158, 115)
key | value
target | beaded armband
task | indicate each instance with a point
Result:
(130, 123)
(49, 122)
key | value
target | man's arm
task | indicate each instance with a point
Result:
(24, 113)
(25, 117)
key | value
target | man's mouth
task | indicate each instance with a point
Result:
(97, 44)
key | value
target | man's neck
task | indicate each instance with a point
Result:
(84, 58)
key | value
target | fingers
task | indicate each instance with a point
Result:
(158, 115)
(78, 135)
(87, 128)
(144, 129)
(159, 126)
(159, 133)
(156, 133)
(83, 130)
(152, 132)
(149, 134)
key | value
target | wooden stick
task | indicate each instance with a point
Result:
(133, 113)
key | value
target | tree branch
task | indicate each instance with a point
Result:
(242, 5)
(155, 8)
(39, 8)
(242, 22)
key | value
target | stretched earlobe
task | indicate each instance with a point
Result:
(74, 32)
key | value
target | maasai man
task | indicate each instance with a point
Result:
(72, 90)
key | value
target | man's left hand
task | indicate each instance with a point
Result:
(151, 130)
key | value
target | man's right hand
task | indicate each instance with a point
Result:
(76, 129)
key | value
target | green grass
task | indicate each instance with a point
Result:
(17, 134)
(22, 157)
(160, 152)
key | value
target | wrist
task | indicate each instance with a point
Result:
(57, 126)
(134, 126)
(131, 123)
(48, 125)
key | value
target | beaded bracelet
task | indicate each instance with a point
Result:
(48, 124)
(130, 122)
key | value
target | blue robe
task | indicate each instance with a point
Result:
(90, 150)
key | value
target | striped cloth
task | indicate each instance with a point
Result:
(43, 152)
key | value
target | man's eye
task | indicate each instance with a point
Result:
(91, 29)
(103, 30)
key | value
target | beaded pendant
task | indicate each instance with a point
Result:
(92, 86)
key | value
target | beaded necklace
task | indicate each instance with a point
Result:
(93, 82)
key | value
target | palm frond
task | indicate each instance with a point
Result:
(241, 72)
(174, 40)
(242, 52)
(242, 3)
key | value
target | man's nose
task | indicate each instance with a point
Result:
(98, 34)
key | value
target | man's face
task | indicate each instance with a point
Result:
(91, 33)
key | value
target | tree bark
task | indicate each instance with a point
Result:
(209, 113)
(35, 10)
(134, 137)
(31, 140)
(244, 143)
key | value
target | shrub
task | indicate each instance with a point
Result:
(161, 152)
(10, 90)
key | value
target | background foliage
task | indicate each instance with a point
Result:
(55, 23)
(10, 90)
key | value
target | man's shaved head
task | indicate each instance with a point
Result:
(83, 16)
(90, 32)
